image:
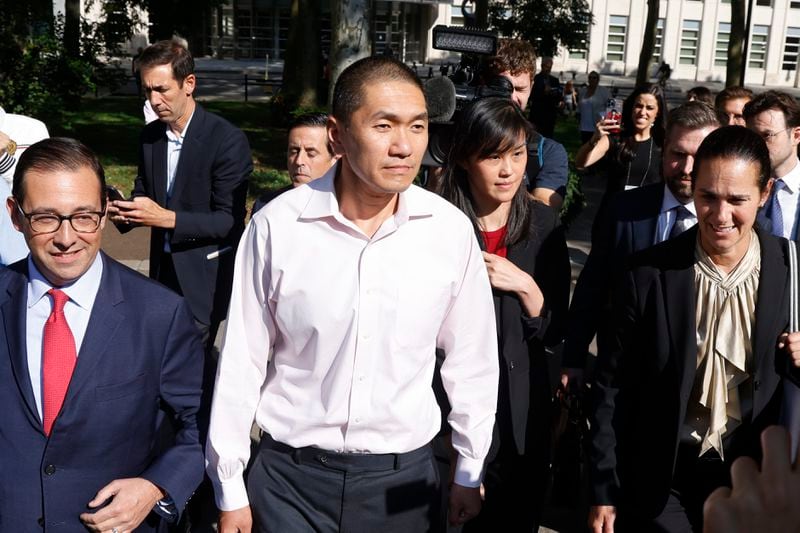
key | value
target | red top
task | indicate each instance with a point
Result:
(495, 241)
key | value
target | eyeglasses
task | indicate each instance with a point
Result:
(769, 136)
(83, 222)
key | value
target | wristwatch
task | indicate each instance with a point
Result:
(11, 147)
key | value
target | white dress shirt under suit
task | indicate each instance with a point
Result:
(354, 322)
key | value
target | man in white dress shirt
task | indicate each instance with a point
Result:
(389, 273)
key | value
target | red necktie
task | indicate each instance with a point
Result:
(58, 359)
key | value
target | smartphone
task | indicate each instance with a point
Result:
(114, 194)
(613, 113)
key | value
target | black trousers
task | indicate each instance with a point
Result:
(694, 480)
(308, 489)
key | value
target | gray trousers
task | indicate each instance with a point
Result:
(308, 489)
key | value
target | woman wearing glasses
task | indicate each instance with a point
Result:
(526, 258)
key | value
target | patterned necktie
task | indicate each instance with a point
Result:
(775, 213)
(58, 360)
(684, 219)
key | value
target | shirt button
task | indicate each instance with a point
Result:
(323, 459)
(365, 336)
(50, 470)
(361, 378)
(358, 420)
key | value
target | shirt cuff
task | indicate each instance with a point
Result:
(231, 494)
(469, 472)
(166, 509)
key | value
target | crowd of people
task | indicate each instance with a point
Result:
(392, 357)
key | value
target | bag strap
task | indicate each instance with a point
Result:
(794, 319)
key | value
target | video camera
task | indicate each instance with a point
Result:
(447, 96)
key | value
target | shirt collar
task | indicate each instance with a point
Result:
(792, 179)
(179, 138)
(82, 291)
(670, 202)
(411, 203)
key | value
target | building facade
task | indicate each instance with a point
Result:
(692, 37)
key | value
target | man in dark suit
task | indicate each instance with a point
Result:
(546, 99)
(190, 189)
(94, 357)
(637, 219)
(687, 378)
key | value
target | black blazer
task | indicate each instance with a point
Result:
(528, 363)
(646, 370)
(208, 197)
(630, 226)
(141, 360)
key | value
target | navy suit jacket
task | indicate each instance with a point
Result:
(630, 226)
(140, 361)
(208, 197)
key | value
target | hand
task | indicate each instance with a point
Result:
(237, 521)
(131, 501)
(790, 343)
(465, 504)
(142, 211)
(601, 518)
(759, 501)
(605, 127)
(571, 378)
(506, 276)
(4, 140)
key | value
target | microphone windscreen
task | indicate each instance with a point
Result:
(440, 96)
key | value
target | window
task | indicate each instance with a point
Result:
(794, 4)
(767, 3)
(721, 48)
(790, 48)
(659, 41)
(582, 51)
(758, 46)
(617, 30)
(690, 36)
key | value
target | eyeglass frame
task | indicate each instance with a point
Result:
(769, 136)
(61, 219)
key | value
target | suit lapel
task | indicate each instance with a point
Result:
(679, 294)
(159, 169)
(191, 151)
(771, 314)
(13, 309)
(103, 324)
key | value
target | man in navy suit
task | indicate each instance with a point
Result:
(190, 189)
(95, 356)
(637, 219)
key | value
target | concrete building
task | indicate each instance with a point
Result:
(692, 38)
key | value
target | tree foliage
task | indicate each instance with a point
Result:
(545, 23)
(648, 42)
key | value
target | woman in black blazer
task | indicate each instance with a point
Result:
(526, 256)
(689, 369)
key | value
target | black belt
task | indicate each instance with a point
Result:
(348, 462)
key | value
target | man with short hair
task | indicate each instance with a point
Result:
(730, 103)
(637, 219)
(775, 116)
(547, 169)
(93, 358)
(332, 351)
(546, 99)
(309, 155)
(191, 188)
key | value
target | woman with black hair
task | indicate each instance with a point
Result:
(633, 157)
(526, 257)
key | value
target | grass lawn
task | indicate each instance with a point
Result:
(111, 127)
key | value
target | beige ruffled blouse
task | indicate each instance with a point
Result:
(725, 308)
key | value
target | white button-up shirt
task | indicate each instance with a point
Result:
(353, 323)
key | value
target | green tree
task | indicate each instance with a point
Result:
(733, 74)
(648, 42)
(545, 23)
(301, 67)
(350, 35)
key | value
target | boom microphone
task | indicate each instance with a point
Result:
(440, 97)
